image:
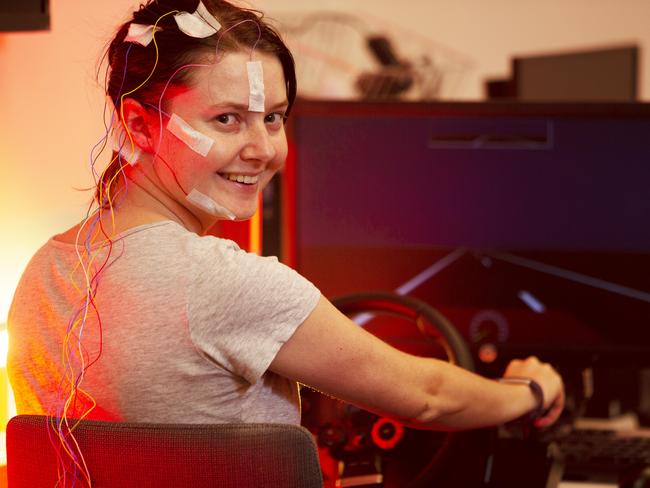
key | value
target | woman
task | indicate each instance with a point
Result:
(136, 314)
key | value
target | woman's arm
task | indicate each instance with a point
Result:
(332, 354)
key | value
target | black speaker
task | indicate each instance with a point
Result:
(25, 15)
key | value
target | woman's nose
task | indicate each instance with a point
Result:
(259, 145)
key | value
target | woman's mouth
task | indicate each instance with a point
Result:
(243, 179)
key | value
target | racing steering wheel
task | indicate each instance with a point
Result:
(385, 434)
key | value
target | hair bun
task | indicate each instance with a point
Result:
(150, 12)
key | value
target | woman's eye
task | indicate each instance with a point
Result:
(275, 118)
(226, 119)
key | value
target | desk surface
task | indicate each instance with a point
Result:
(587, 484)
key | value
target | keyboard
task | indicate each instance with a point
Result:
(602, 453)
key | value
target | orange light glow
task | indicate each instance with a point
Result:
(255, 231)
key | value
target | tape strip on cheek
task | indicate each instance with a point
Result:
(196, 141)
(255, 86)
(206, 203)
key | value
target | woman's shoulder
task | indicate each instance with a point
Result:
(92, 234)
(151, 240)
(184, 246)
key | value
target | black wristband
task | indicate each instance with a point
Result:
(537, 391)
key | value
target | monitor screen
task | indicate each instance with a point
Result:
(525, 224)
(605, 75)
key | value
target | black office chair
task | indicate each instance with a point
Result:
(125, 455)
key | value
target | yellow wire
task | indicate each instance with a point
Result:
(128, 132)
(86, 265)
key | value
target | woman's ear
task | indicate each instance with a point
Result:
(140, 124)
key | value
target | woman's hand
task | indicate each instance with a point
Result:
(548, 379)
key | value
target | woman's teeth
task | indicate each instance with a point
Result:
(248, 180)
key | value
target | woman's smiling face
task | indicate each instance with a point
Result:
(249, 147)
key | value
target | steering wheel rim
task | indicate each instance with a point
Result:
(446, 335)
(411, 308)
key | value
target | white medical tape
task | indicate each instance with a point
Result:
(131, 156)
(196, 141)
(140, 34)
(209, 205)
(255, 86)
(199, 24)
(122, 145)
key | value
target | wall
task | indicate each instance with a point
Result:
(490, 32)
(49, 119)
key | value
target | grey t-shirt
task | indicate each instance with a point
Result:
(189, 326)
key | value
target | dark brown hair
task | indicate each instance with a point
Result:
(242, 29)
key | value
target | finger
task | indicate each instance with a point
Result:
(552, 415)
(547, 420)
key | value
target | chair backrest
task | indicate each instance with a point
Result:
(125, 455)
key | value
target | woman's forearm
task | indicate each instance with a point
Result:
(457, 399)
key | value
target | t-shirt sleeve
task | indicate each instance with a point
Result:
(243, 307)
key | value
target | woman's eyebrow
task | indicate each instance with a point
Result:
(226, 104)
(284, 104)
(243, 107)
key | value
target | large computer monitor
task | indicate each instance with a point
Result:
(527, 225)
(605, 75)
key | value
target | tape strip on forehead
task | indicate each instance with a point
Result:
(196, 141)
(255, 86)
(209, 205)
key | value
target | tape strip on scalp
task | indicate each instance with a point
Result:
(140, 34)
(200, 24)
(255, 86)
(196, 141)
(209, 205)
